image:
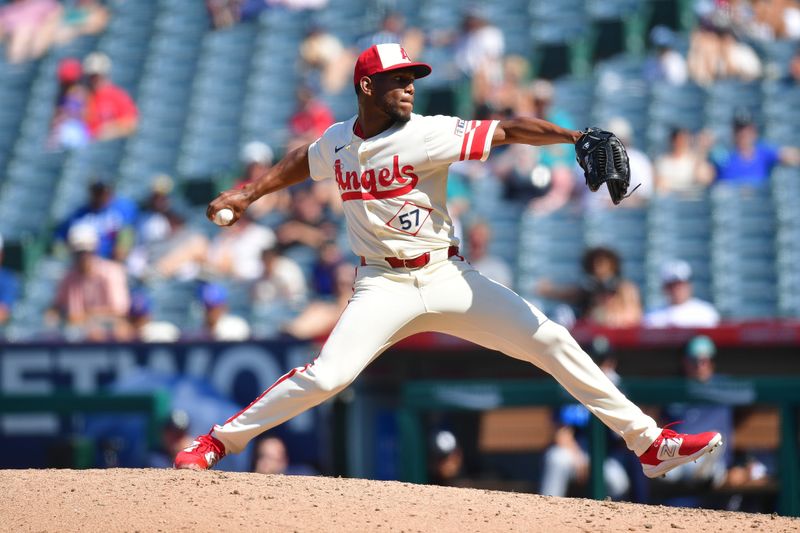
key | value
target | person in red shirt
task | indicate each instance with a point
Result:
(110, 111)
(312, 116)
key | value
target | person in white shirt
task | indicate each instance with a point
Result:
(218, 323)
(685, 169)
(683, 309)
(668, 65)
(282, 280)
(236, 251)
(479, 47)
(390, 167)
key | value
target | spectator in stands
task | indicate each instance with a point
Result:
(715, 53)
(567, 460)
(28, 28)
(525, 178)
(685, 168)
(177, 251)
(309, 224)
(445, 459)
(740, 61)
(751, 160)
(542, 94)
(511, 94)
(174, 437)
(683, 310)
(153, 222)
(767, 20)
(327, 62)
(541, 174)
(223, 13)
(330, 201)
(323, 271)
(317, 320)
(271, 457)
(110, 111)
(311, 118)
(236, 250)
(478, 53)
(218, 324)
(82, 17)
(70, 75)
(698, 368)
(281, 282)
(68, 129)
(256, 158)
(393, 30)
(604, 297)
(93, 298)
(142, 327)
(668, 65)
(704, 56)
(479, 47)
(251, 9)
(113, 218)
(491, 266)
(9, 289)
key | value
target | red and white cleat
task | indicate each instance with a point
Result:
(204, 452)
(671, 450)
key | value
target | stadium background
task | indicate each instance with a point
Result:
(204, 93)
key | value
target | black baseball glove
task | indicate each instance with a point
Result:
(603, 159)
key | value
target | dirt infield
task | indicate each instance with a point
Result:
(169, 500)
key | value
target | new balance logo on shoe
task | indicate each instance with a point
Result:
(671, 450)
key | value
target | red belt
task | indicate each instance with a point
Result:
(417, 262)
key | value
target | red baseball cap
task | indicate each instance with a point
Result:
(385, 57)
(69, 70)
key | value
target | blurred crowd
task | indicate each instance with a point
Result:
(29, 28)
(285, 268)
(89, 107)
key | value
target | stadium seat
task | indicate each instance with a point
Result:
(743, 252)
(629, 238)
(550, 247)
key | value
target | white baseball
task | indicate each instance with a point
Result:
(223, 217)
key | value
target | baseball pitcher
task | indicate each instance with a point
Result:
(390, 166)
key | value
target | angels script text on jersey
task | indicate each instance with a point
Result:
(375, 184)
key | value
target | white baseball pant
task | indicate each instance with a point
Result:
(447, 296)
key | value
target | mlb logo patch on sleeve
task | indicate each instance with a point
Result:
(461, 127)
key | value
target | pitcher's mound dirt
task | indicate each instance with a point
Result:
(169, 500)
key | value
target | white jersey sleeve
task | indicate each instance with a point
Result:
(451, 139)
(320, 152)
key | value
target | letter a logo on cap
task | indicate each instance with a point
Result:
(391, 54)
(385, 57)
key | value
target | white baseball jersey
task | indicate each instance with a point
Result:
(394, 185)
